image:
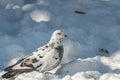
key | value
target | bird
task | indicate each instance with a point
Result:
(43, 59)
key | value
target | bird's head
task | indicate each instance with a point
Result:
(58, 34)
(56, 38)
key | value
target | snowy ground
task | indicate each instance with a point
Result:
(92, 51)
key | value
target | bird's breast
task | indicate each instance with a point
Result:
(60, 51)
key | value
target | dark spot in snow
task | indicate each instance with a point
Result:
(104, 51)
(67, 71)
(79, 12)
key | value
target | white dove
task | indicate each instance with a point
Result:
(43, 59)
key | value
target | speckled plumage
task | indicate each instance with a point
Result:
(43, 59)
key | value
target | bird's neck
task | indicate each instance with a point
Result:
(55, 42)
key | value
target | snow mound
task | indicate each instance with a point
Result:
(110, 76)
(84, 69)
(89, 75)
(38, 16)
(113, 61)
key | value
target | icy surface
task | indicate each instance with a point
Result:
(92, 49)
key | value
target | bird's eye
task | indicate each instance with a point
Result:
(59, 33)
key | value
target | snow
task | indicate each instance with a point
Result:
(5, 2)
(110, 76)
(112, 61)
(26, 25)
(39, 16)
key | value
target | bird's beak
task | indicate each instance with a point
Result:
(65, 35)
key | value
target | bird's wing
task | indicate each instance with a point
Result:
(42, 50)
(50, 60)
(25, 63)
(31, 61)
(9, 68)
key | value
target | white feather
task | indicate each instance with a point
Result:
(47, 56)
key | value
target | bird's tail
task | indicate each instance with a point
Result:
(10, 74)
(13, 73)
